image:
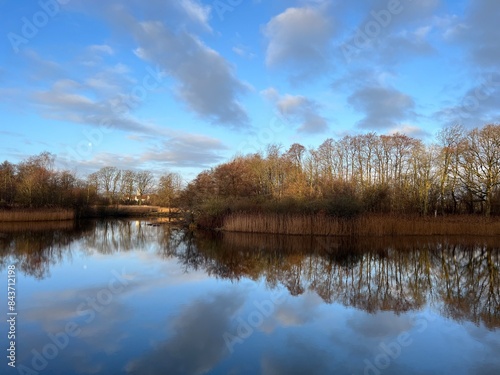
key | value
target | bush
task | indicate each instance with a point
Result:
(211, 213)
(376, 199)
(344, 206)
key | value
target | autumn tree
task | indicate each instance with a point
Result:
(169, 187)
(7, 183)
(33, 176)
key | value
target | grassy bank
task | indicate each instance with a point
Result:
(43, 214)
(127, 211)
(35, 226)
(53, 214)
(364, 225)
(117, 211)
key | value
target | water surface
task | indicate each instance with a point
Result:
(125, 297)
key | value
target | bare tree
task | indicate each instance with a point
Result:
(127, 184)
(108, 181)
(144, 181)
(449, 140)
(480, 163)
(33, 178)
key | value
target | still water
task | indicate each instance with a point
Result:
(127, 297)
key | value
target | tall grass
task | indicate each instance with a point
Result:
(36, 226)
(285, 244)
(128, 211)
(43, 214)
(364, 225)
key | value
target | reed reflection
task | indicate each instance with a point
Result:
(459, 276)
(35, 246)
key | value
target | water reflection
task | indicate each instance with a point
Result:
(459, 276)
(195, 345)
(36, 246)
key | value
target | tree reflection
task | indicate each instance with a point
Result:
(34, 247)
(460, 277)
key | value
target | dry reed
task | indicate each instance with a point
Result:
(35, 226)
(365, 225)
(36, 215)
(121, 211)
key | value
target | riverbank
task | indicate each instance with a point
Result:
(123, 211)
(363, 225)
(54, 214)
(35, 214)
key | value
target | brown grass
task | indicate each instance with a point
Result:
(36, 226)
(121, 211)
(43, 214)
(366, 225)
(285, 244)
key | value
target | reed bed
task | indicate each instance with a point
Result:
(286, 244)
(35, 226)
(18, 215)
(120, 211)
(365, 225)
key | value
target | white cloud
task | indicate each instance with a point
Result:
(383, 107)
(297, 108)
(186, 150)
(207, 83)
(482, 32)
(197, 12)
(299, 38)
(407, 14)
(478, 105)
(290, 104)
(196, 343)
(243, 51)
(101, 48)
(165, 33)
(409, 130)
(66, 101)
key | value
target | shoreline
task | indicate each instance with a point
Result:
(366, 225)
(15, 215)
(19, 215)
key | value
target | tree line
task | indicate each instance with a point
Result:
(458, 173)
(35, 183)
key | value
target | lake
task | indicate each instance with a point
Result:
(128, 297)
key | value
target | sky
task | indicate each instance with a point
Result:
(180, 86)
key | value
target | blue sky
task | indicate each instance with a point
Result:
(183, 85)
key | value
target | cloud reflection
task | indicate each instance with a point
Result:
(300, 357)
(196, 344)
